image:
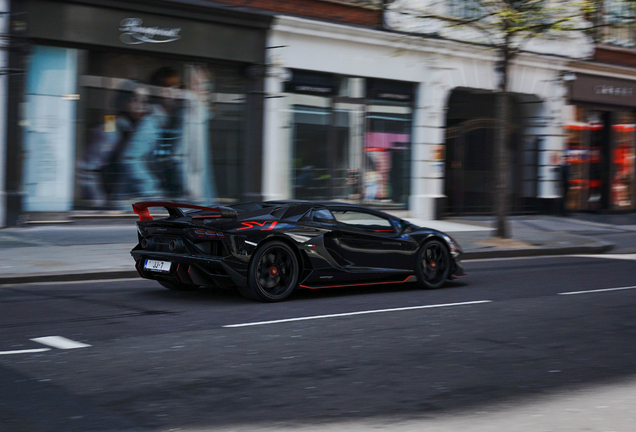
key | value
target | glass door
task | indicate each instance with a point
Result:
(348, 154)
(310, 130)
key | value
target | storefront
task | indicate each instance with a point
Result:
(349, 138)
(600, 144)
(123, 102)
(471, 171)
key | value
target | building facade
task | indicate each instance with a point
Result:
(4, 67)
(130, 100)
(402, 122)
(249, 100)
(600, 131)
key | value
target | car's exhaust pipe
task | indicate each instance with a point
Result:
(147, 244)
(176, 246)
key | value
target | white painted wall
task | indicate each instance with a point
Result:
(436, 66)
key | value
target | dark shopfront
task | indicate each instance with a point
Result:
(350, 138)
(600, 144)
(123, 101)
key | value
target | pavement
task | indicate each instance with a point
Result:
(100, 248)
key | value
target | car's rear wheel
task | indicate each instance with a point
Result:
(273, 273)
(433, 264)
(176, 286)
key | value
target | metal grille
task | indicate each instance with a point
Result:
(163, 240)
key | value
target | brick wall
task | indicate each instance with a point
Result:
(361, 13)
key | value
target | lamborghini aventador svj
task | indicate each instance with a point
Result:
(268, 250)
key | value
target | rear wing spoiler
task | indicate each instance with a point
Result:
(174, 210)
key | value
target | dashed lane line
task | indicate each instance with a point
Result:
(598, 290)
(76, 282)
(25, 351)
(629, 257)
(60, 342)
(355, 313)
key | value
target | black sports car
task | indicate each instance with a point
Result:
(269, 249)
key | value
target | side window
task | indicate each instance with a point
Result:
(323, 216)
(364, 221)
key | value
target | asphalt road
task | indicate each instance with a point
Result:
(516, 333)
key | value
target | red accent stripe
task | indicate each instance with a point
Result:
(383, 230)
(251, 224)
(271, 227)
(177, 272)
(141, 208)
(358, 284)
(138, 267)
(190, 275)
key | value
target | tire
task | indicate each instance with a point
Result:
(433, 264)
(273, 273)
(176, 286)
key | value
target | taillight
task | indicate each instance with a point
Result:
(203, 234)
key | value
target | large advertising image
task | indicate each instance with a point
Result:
(157, 129)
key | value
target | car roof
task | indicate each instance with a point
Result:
(250, 207)
(330, 205)
(314, 203)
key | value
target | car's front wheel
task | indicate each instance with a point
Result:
(433, 264)
(273, 273)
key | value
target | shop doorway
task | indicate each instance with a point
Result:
(470, 155)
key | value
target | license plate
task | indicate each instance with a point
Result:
(162, 266)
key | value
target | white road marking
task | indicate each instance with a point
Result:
(631, 257)
(355, 313)
(60, 342)
(598, 290)
(77, 282)
(26, 351)
(534, 257)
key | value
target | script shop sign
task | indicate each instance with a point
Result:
(134, 33)
(103, 26)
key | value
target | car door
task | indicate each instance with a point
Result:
(370, 241)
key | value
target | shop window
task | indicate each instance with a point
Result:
(618, 19)
(387, 144)
(601, 155)
(387, 155)
(352, 141)
(465, 8)
(623, 161)
(49, 133)
(158, 128)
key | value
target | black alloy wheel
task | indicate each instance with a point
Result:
(273, 273)
(433, 264)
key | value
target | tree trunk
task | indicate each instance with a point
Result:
(502, 155)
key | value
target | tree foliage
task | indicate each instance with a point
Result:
(556, 27)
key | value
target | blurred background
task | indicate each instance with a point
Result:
(107, 102)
